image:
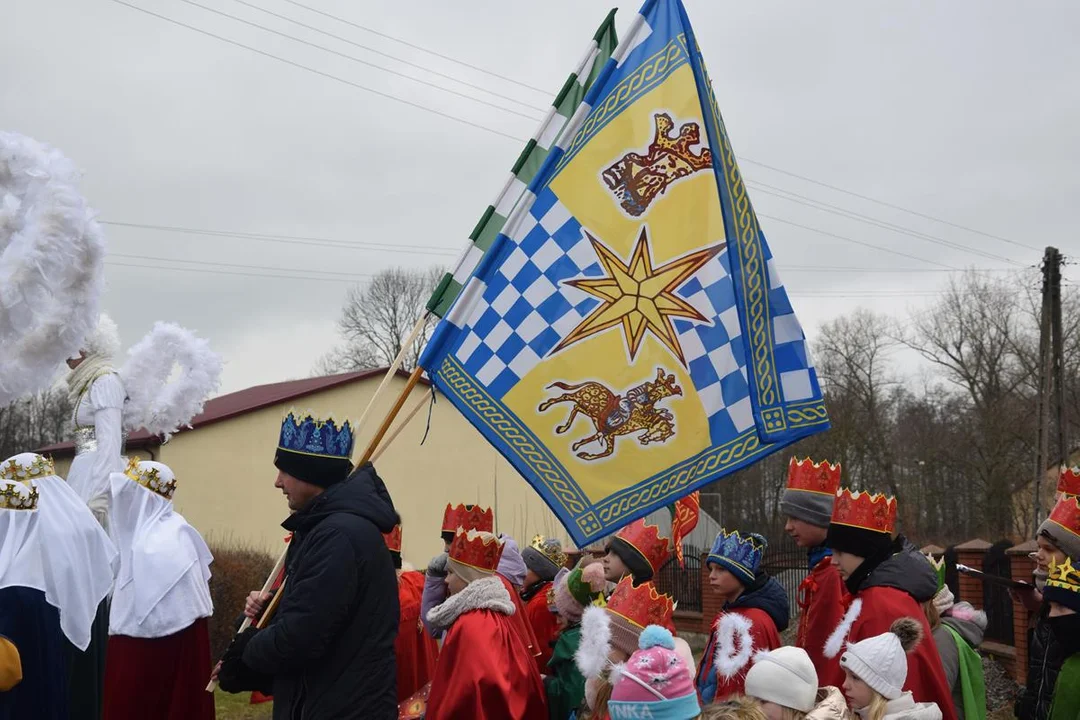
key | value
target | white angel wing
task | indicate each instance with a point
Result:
(52, 270)
(156, 403)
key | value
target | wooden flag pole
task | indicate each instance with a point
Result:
(391, 371)
(390, 416)
(403, 424)
(212, 686)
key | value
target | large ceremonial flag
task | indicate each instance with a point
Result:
(528, 165)
(627, 338)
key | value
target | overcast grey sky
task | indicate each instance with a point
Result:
(966, 110)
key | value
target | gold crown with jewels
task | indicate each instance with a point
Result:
(28, 466)
(150, 478)
(18, 497)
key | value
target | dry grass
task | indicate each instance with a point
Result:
(239, 707)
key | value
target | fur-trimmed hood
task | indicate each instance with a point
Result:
(485, 594)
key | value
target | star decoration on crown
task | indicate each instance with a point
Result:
(1063, 575)
(639, 297)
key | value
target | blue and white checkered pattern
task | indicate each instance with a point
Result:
(798, 378)
(526, 310)
(715, 351)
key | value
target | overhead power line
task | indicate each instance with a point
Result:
(512, 137)
(843, 212)
(292, 239)
(856, 242)
(376, 51)
(406, 43)
(883, 203)
(361, 61)
(326, 75)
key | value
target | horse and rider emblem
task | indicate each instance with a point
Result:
(636, 180)
(616, 415)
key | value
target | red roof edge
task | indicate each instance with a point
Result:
(241, 402)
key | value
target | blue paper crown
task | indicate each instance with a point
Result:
(740, 555)
(312, 436)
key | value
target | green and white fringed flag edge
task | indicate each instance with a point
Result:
(528, 164)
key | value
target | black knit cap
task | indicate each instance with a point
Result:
(858, 541)
(639, 566)
(321, 471)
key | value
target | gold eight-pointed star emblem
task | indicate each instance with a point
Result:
(639, 297)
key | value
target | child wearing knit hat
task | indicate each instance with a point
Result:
(786, 683)
(574, 591)
(876, 669)
(755, 611)
(655, 682)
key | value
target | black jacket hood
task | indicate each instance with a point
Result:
(906, 569)
(363, 494)
(765, 593)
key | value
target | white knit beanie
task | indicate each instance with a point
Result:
(784, 676)
(944, 600)
(881, 661)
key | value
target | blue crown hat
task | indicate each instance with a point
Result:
(314, 450)
(738, 554)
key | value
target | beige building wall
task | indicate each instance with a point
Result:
(225, 473)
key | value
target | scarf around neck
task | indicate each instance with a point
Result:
(81, 378)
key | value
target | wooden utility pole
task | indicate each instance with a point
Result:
(1051, 377)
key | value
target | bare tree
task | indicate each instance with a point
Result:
(34, 421)
(377, 318)
(971, 337)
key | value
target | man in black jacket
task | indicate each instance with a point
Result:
(328, 651)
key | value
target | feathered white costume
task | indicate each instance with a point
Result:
(52, 270)
(108, 403)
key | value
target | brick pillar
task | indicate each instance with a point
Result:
(971, 554)
(710, 601)
(1022, 567)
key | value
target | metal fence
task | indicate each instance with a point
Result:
(786, 561)
(683, 583)
(996, 599)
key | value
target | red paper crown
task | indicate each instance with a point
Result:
(1069, 481)
(808, 476)
(393, 539)
(470, 517)
(476, 549)
(648, 542)
(642, 606)
(876, 513)
(1067, 514)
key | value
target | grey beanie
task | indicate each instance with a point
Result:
(539, 563)
(1064, 539)
(812, 507)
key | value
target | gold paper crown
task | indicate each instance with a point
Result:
(18, 497)
(18, 469)
(150, 478)
(1064, 576)
(549, 548)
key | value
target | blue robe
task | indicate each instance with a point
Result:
(33, 626)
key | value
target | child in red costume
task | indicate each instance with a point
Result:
(484, 671)
(415, 649)
(543, 560)
(755, 612)
(888, 579)
(808, 503)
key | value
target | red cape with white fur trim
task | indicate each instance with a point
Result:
(737, 635)
(871, 613)
(822, 600)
